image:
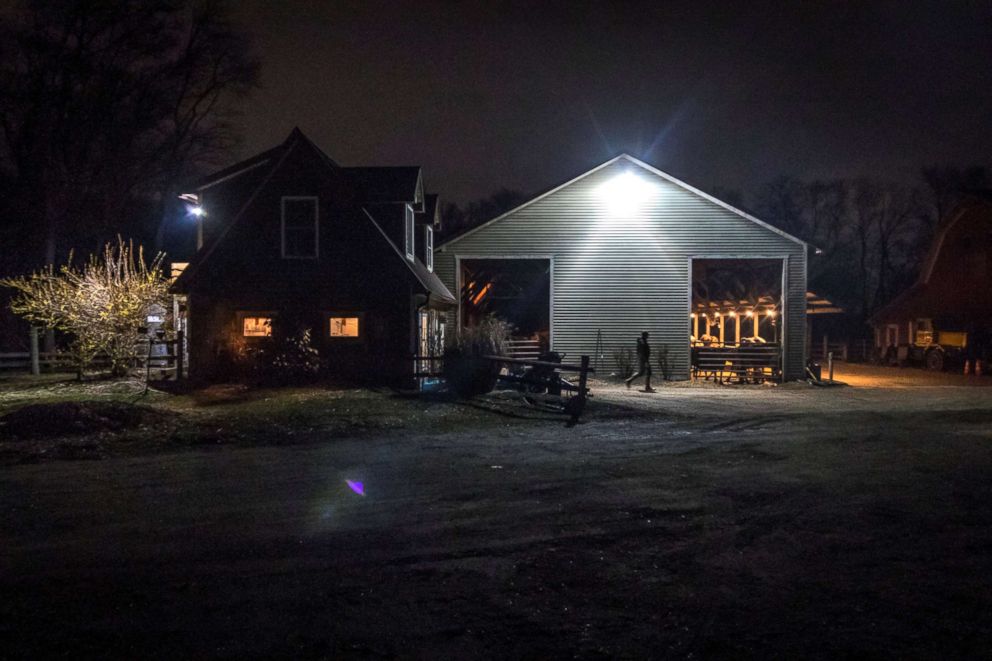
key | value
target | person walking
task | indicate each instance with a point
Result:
(643, 363)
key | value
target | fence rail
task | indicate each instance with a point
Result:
(170, 361)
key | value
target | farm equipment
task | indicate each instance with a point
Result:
(938, 350)
(542, 384)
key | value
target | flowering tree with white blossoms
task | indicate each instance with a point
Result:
(100, 306)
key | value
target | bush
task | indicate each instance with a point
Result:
(490, 337)
(287, 357)
(624, 359)
(663, 364)
(465, 370)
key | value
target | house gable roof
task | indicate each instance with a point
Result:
(385, 182)
(641, 164)
(380, 185)
(428, 279)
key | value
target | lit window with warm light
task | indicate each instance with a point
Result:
(344, 327)
(256, 327)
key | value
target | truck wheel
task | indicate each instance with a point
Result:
(935, 360)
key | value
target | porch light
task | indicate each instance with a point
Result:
(732, 313)
(750, 313)
(196, 210)
(624, 194)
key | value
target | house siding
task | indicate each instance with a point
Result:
(620, 277)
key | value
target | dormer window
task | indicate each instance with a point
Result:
(429, 247)
(408, 232)
(299, 227)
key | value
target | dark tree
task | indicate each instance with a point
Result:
(456, 220)
(105, 105)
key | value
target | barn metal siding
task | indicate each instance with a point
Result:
(623, 275)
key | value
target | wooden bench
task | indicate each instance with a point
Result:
(745, 364)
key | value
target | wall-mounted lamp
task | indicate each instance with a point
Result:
(624, 194)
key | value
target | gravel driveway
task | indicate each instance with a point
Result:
(694, 522)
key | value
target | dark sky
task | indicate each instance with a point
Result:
(720, 94)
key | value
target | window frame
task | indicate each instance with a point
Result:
(429, 248)
(244, 314)
(409, 233)
(337, 314)
(316, 225)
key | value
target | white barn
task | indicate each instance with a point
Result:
(616, 249)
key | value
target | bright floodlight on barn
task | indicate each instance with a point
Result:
(625, 194)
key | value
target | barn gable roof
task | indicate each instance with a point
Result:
(641, 164)
(920, 297)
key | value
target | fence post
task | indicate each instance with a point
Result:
(830, 365)
(180, 350)
(35, 360)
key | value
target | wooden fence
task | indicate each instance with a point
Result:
(745, 364)
(164, 365)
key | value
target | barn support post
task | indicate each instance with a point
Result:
(35, 359)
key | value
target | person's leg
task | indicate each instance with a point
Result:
(647, 378)
(634, 376)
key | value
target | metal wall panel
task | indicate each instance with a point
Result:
(620, 273)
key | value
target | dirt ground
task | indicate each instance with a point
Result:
(696, 522)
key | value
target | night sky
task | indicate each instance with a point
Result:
(720, 94)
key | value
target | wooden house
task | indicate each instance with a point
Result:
(588, 265)
(344, 251)
(946, 315)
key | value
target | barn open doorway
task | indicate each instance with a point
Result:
(736, 318)
(516, 290)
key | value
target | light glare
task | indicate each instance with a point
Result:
(625, 194)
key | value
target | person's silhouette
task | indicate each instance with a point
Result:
(643, 363)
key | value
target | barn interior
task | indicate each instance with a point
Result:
(516, 290)
(736, 302)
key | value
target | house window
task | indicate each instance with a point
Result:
(256, 327)
(429, 247)
(408, 233)
(345, 326)
(299, 227)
